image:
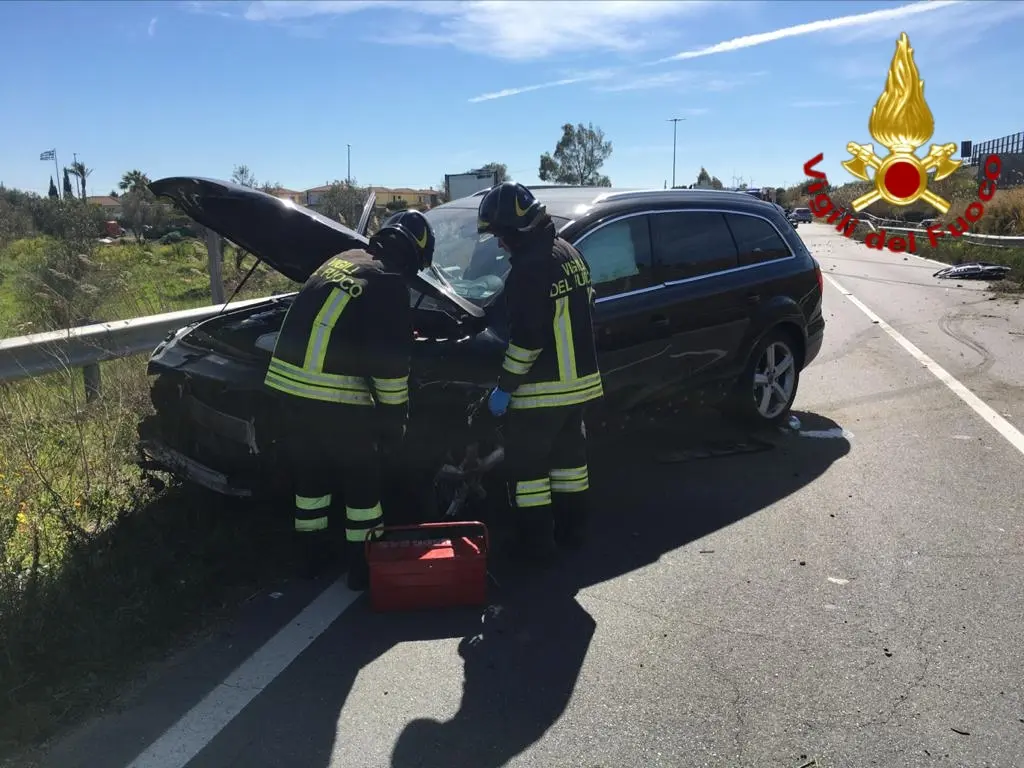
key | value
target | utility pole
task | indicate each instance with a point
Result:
(675, 125)
(348, 173)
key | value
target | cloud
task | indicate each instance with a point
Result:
(813, 27)
(151, 30)
(514, 30)
(583, 78)
(208, 8)
(817, 104)
(688, 80)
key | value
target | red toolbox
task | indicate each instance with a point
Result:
(440, 565)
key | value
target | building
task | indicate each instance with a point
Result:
(111, 205)
(296, 196)
(413, 198)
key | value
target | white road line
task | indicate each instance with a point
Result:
(201, 724)
(976, 404)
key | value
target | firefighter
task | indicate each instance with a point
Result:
(549, 375)
(341, 365)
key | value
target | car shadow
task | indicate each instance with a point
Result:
(522, 655)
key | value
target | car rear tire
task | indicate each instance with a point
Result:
(765, 393)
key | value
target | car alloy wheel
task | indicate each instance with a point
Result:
(774, 380)
(764, 394)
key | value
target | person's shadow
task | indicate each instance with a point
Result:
(523, 653)
(651, 496)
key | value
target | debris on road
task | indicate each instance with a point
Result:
(835, 580)
(962, 733)
(975, 270)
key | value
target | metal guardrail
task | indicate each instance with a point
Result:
(89, 345)
(996, 241)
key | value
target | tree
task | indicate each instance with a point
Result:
(53, 193)
(716, 183)
(140, 210)
(578, 157)
(270, 187)
(343, 201)
(703, 178)
(81, 173)
(68, 192)
(133, 180)
(500, 171)
(243, 176)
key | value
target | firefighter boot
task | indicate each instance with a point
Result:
(571, 518)
(534, 542)
(313, 553)
(358, 570)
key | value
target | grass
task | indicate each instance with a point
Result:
(145, 278)
(101, 567)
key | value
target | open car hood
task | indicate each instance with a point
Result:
(291, 238)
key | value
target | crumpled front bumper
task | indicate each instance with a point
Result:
(156, 454)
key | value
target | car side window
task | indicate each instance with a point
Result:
(756, 239)
(690, 244)
(619, 256)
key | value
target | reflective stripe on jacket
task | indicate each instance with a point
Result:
(551, 359)
(347, 337)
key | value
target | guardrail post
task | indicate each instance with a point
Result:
(91, 374)
(215, 257)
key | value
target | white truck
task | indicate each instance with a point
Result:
(457, 185)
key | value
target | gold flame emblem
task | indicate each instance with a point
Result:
(902, 122)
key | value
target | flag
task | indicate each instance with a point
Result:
(49, 154)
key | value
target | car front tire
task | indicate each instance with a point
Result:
(766, 391)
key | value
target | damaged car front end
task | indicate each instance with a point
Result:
(216, 426)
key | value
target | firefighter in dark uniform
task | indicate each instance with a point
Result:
(341, 363)
(550, 372)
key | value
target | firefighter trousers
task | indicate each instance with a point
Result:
(328, 443)
(546, 462)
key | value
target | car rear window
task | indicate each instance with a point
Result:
(756, 240)
(690, 244)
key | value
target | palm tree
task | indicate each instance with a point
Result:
(134, 180)
(81, 173)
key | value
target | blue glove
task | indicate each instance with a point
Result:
(497, 403)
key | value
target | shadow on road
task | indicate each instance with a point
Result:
(521, 657)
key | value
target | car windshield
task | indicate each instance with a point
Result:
(471, 263)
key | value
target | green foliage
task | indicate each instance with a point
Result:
(578, 157)
(500, 171)
(343, 202)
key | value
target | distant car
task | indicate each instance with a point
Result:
(698, 291)
(925, 223)
(802, 215)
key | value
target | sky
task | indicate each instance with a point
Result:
(421, 89)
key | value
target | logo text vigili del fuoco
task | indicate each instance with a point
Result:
(902, 123)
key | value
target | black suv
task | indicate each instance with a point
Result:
(699, 292)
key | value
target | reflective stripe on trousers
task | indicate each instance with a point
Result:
(533, 493)
(360, 522)
(571, 480)
(311, 513)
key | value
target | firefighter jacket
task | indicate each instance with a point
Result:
(347, 338)
(551, 359)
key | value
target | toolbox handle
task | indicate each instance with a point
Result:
(433, 526)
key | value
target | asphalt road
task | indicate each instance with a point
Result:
(851, 597)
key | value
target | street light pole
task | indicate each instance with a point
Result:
(348, 173)
(675, 125)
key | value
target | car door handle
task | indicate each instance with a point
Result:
(659, 321)
(753, 298)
